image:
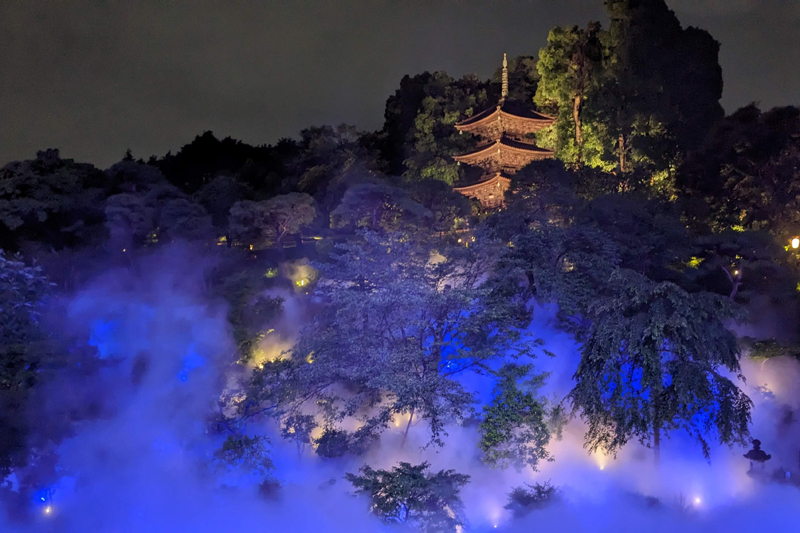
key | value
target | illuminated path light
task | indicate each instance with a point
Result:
(795, 242)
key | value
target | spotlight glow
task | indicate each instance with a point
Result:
(48, 510)
(796, 243)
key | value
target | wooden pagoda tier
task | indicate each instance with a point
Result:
(490, 193)
(506, 130)
(504, 155)
(507, 119)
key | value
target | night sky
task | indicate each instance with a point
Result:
(95, 77)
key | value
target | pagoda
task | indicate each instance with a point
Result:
(505, 146)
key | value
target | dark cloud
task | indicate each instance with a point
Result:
(96, 77)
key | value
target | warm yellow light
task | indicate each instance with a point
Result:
(459, 240)
(47, 510)
(251, 246)
(735, 272)
(796, 243)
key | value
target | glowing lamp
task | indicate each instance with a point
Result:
(697, 501)
(796, 242)
(48, 510)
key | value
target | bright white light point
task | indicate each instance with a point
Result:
(697, 501)
(602, 467)
(47, 510)
(796, 243)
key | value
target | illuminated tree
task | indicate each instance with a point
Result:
(655, 359)
(400, 325)
(409, 494)
(570, 67)
(663, 84)
(514, 430)
(419, 130)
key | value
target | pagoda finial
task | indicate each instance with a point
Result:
(504, 91)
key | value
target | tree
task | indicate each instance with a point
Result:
(399, 326)
(409, 494)
(129, 219)
(272, 219)
(570, 67)
(50, 200)
(664, 82)
(419, 129)
(129, 176)
(514, 429)
(182, 219)
(244, 456)
(450, 210)
(219, 195)
(23, 290)
(653, 360)
(199, 162)
(378, 206)
(522, 501)
(739, 264)
(326, 158)
(746, 177)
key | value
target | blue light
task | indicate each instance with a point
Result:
(103, 337)
(191, 361)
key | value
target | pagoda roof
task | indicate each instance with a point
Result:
(497, 178)
(508, 111)
(505, 144)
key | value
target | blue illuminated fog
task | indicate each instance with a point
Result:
(146, 466)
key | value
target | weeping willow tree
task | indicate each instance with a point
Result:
(654, 360)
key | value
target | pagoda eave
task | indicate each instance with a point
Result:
(500, 148)
(483, 122)
(490, 193)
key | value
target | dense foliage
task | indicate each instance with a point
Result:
(408, 493)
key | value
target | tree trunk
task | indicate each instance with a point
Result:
(621, 153)
(408, 426)
(576, 117)
(657, 443)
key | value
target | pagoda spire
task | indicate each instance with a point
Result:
(504, 90)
